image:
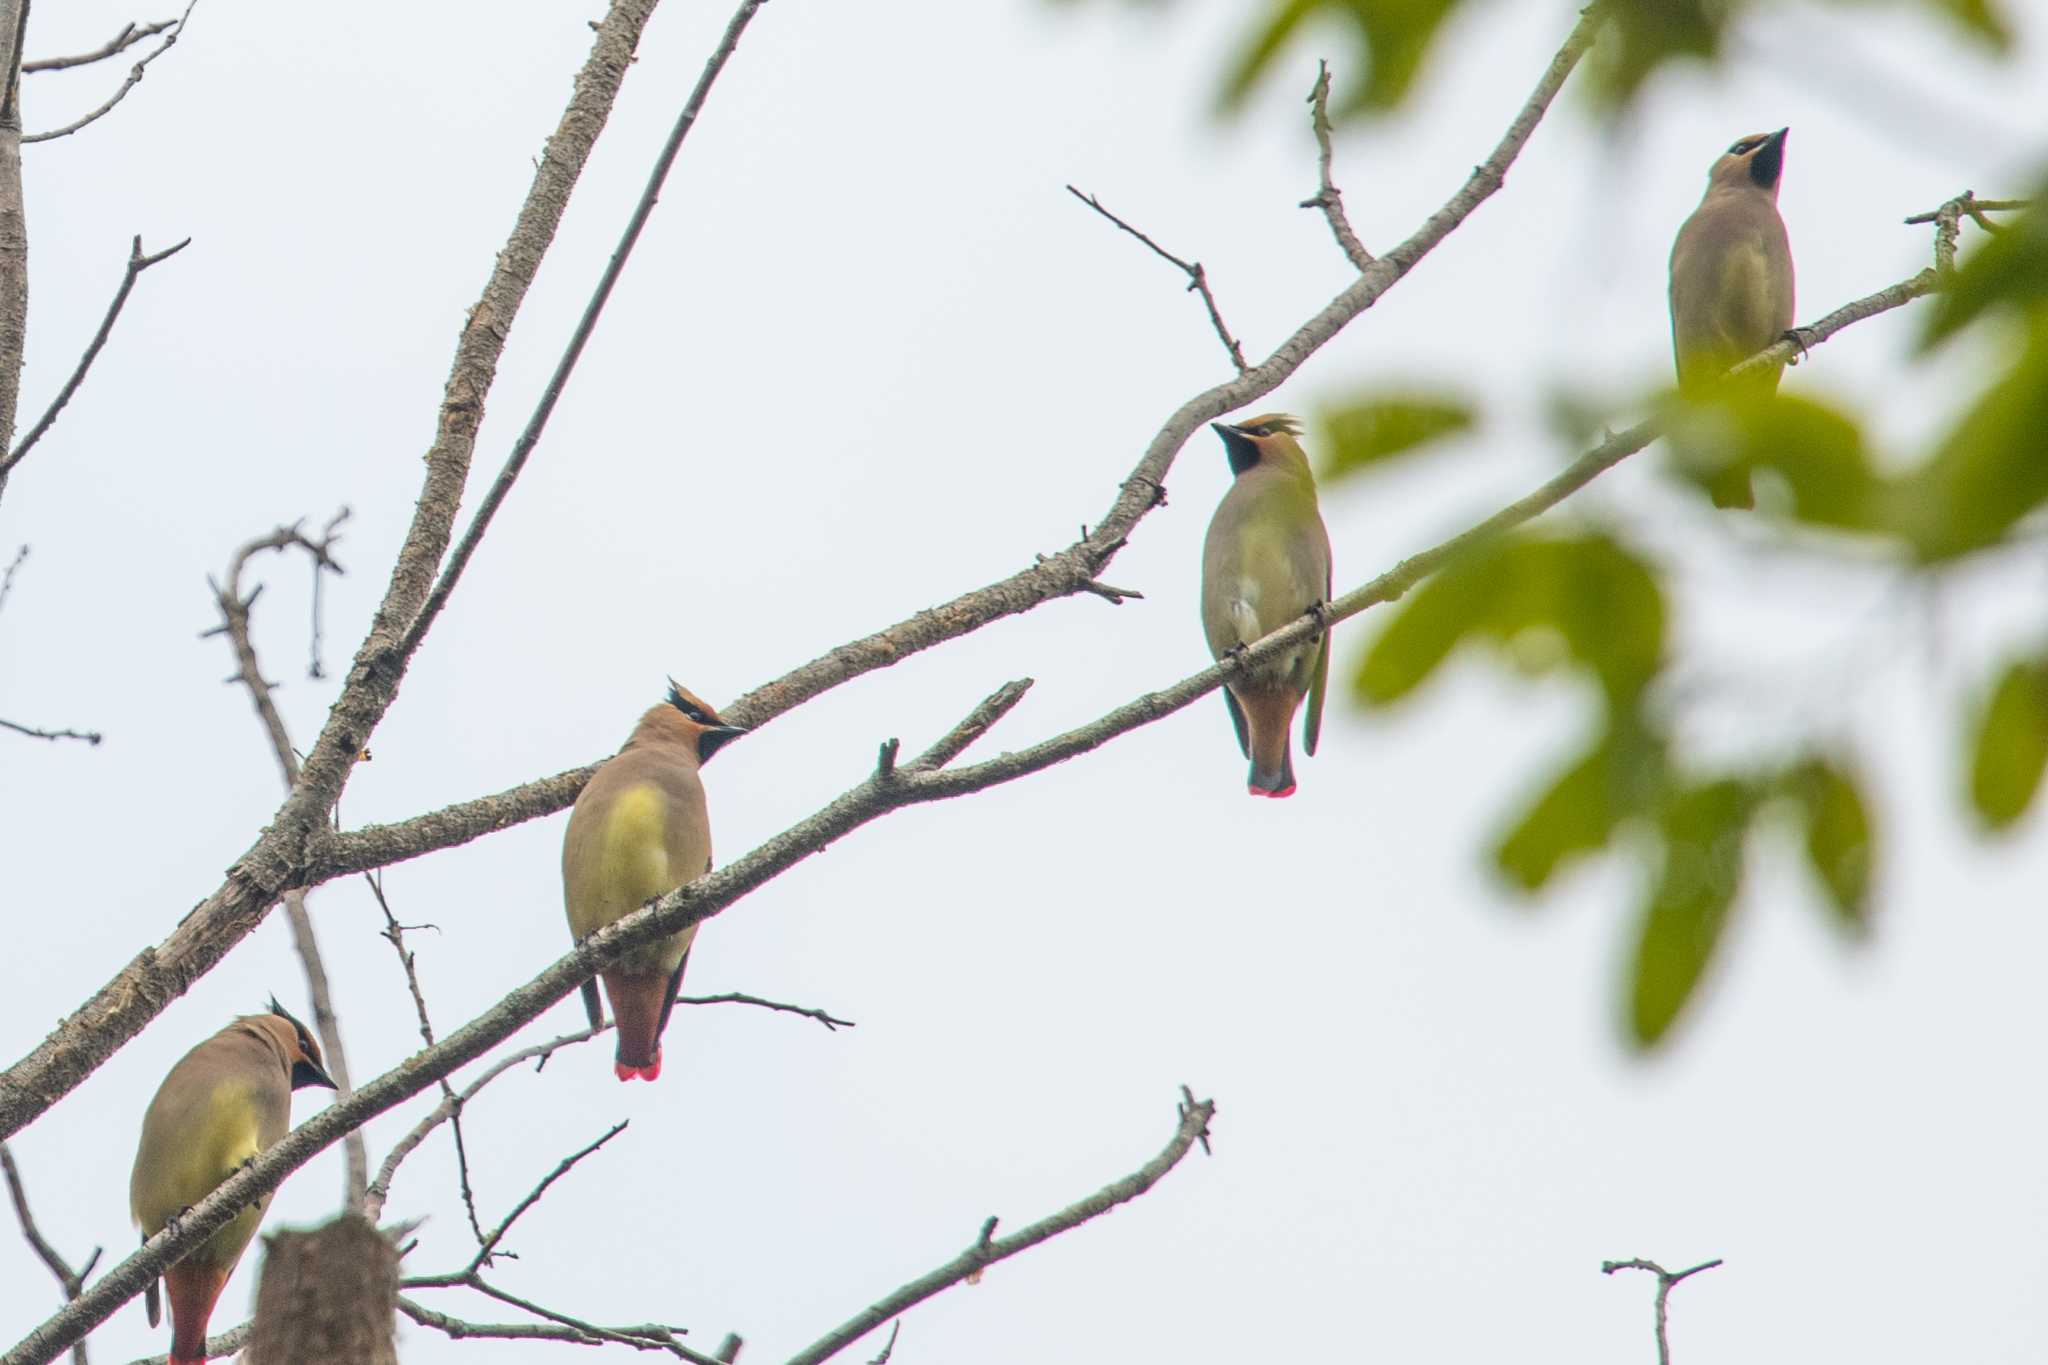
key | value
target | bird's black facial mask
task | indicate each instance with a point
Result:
(1242, 450)
(305, 1074)
(716, 738)
(1769, 162)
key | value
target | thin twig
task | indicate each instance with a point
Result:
(137, 263)
(7, 579)
(585, 325)
(486, 1254)
(135, 74)
(1666, 1279)
(888, 1347)
(1198, 281)
(113, 47)
(987, 1249)
(71, 1281)
(831, 1022)
(89, 736)
(235, 605)
(1328, 197)
(648, 1335)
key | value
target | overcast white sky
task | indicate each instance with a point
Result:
(872, 354)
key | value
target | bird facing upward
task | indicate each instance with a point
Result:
(640, 830)
(1265, 562)
(1731, 281)
(222, 1104)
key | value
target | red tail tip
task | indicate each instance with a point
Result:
(1287, 790)
(182, 1360)
(651, 1072)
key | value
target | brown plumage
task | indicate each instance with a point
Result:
(1265, 561)
(640, 830)
(223, 1103)
(1731, 280)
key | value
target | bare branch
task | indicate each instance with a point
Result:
(564, 367)
(71, 1281)
(113, 47)
(1328, 197)
(486, 1252)
(135, 74)
(224, 1346)
(7, 579)
(137, 263)
(274, 862)
(89, 736)
(13, 225)
(889, 1346)
(1665, 1280)
(987, 1249)
(235, 606)
(1198, 279)
(831, 1022)
(649, 1336)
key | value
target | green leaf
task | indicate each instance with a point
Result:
(1422, 632)
(2008, 271)
(1818, 450)
(1981, 18)
(1595, 595)
(2012, 745)
(1368, 431)
(1644, 36)
(1703, 831)
(1579, 811)
(1839, 843)
(1990, 470)
(1393, 37)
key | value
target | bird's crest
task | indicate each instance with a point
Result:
(1272, 424)
(691, 705)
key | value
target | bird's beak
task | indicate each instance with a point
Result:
(305, 1073)
(1225, 430)
(715, 738)
(1778, 138)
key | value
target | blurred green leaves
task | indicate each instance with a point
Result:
(1592, 605)
(1391, 37)
(1374, 428)
(2011, 746)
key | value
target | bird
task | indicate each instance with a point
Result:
(223, 1103)
(640, 830)
(1731, 282)
(1266, 560)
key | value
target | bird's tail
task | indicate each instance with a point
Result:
(637, 1004)
(192, 1290)
(1268, 715)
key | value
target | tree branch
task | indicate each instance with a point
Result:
(89, 736)
(1198, 279)
(1328, 197)
(13, 225)
(137, 263)
(135, 74)
(566, 366)
(119, 1009)
(1665, 1280)
(119, 43)
(987, 1249)
(71, 1281)
(234, 607)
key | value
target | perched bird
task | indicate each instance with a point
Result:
(639, 830)
(1265, 562)
(1731, 280)
(224, 1102)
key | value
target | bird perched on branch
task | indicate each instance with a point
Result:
(222, 1104)
(1731, 282)
(640, 830)
(1265, 562)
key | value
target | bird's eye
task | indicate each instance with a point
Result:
(1747, 144)
(1261, 430)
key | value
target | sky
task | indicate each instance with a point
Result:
(872, 354)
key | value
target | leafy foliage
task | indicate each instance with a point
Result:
(2011, 747)
(1375, 428)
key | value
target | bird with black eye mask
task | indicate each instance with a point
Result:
(1266, 560)
(1731, 282)
(639, 830)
